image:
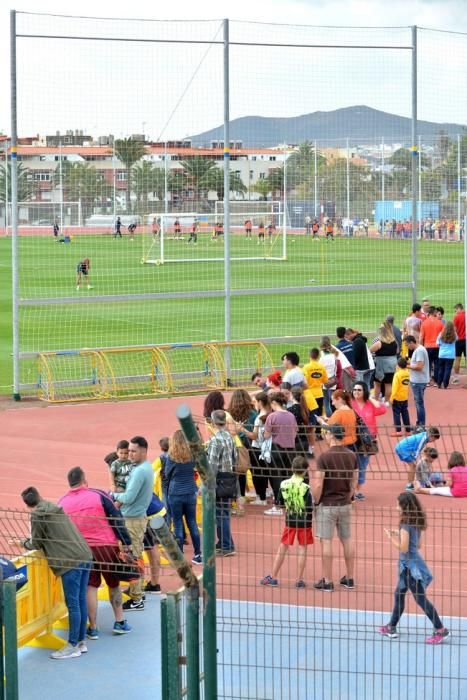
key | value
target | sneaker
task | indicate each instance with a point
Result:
(92, 633)
(151, 588)
(67, 652)
(133, 605)
(388, 631)
(325, 586)
(259, 502)
(121, 627)
(269, 581)
(83, 647)
(300, 583)
(273, 511)
(396, 434)
(90, 286)
(228, 552)
(359, 496)
(347, 583)
(455, 380)
(409, 487)
(438, 636)
(197, 559)
(77, 289)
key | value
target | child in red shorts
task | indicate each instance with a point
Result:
(295, 496)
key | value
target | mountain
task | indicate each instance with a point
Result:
(361, 124)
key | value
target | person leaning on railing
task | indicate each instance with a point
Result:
(69, 557)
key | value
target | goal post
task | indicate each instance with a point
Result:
(198, 237)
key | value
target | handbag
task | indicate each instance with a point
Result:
(130, 568)
(226, 485)
(243, 462)
(366, 443)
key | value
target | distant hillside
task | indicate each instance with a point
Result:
(361, 124)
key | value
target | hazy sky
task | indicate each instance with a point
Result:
(172, 90)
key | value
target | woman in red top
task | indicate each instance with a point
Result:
(367, 409)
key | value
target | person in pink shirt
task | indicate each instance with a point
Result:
(367, 408)
(103, 528)
(457, 479)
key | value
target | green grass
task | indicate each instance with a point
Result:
(48, 271)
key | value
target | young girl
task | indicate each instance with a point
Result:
(447, 354)
(414, 574)
(457, 479)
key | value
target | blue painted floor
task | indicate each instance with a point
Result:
(266, 652)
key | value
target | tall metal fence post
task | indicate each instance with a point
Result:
(192, 643)
(164, 650)
(227, 299)
(209, 554)
(11, 640)
(14, 207)
(415, 163)
(2, 666)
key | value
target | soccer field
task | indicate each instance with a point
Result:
(47, 272)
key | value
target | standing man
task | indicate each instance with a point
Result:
(307, 225)
(56, 230)
(134, 502)
(413, 323)
(333, 489)
(223, 457)
(459, 325)
(419, 372)
(102, 527)
(118, 228)
(363, 370)
(69, 557)
(431, 327)
(293, 374)
(396, 332)
(345, 344)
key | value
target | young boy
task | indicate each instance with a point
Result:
(295, 495)
(410, 448)
(400, 398)
(160, 463)
(121, 467)
(423, 470)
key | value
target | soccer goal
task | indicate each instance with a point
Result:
(195, 237)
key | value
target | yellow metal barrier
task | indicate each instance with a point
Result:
(175, 369)
(39, 604)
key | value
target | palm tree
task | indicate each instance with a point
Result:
(199, 172)
(26, 185)
(300, 165)
(82, 182)
(129, 151)
(146, 178)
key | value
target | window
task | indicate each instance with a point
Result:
(42, 177)
(272, 157)
(262, 176)
(121, 176)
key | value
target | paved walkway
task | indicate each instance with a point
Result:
(120, 668)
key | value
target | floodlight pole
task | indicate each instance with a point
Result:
(459, 180)
(14, 207)
(316, 179)
(347, 178)
(415, 163)
(284, 217)
(383, 183)
(6, 188)
(227, 328)
(419, 187)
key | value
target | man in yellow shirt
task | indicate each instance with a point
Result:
(315, 376)
(400, 398)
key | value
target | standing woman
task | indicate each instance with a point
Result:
(181, 492)
(256, 436)
(447, 354)
(414, 575)
(281, 427)
(343, 415)
(367, 408)
(384, 348)
(328, 358)
(305, 438)
(243, 413)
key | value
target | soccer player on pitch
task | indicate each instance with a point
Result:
(82, 270)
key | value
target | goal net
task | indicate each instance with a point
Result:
(194, 237)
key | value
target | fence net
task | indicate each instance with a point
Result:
(320, 182)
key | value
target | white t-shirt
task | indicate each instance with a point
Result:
(294, 377)
(328, 359)
(420, 376)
